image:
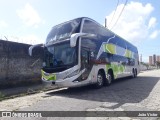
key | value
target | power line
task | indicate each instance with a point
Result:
(119, 14)
(114, 12)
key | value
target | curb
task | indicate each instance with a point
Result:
(22, 91)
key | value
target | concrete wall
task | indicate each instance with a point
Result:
(17, 68)
(143, 67)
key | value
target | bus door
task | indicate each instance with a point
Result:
(85, 63)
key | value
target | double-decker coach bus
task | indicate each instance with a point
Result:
(81, 52)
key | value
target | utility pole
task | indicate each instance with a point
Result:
(105, 23)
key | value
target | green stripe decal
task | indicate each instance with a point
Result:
(128, 54)
(117, 69)
(110, 48)
(114, 49)
(48, 77)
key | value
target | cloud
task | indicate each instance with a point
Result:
(154, 34)
(135, 23)
(152, 22)
(3, 24)
(29, 16)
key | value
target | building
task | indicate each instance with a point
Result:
(150, 60)
(154, 59)
(158, 58)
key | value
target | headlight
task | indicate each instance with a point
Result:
(72, 74)
(44, 64)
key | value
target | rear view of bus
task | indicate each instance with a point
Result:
(81, 52)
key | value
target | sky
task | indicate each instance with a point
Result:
(29, 21)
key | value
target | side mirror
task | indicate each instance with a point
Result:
(74, 37)
(33, 46)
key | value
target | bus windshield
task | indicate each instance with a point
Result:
(63, 31)
(60, 55)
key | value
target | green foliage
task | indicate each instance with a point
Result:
(145, 64)
(1, 96)
(158, 64)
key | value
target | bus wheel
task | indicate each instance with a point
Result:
(100, 80)
(109, 78)
(133, 73)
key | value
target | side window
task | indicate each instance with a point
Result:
(85, 56)
(132, 62)
(113, 41)
(88, 43)
(131, 48)
(89, 27)
(119, 42)
(95, 28)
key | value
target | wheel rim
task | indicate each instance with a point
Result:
(99, 80)
(109, 78)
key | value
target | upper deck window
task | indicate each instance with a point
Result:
(94, 28)
(64, 30)
(89, 27)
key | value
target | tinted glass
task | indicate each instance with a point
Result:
(60, 55)
(94, 28)
(131, 48)
(89, 27)
(118, 41)
(63, 31)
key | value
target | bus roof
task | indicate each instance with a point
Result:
(81, 18)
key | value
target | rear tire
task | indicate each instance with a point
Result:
(110, 78)
(133, 73)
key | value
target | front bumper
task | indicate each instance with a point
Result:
(68, 82)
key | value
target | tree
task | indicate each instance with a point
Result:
(145, 64)
(158, 64)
